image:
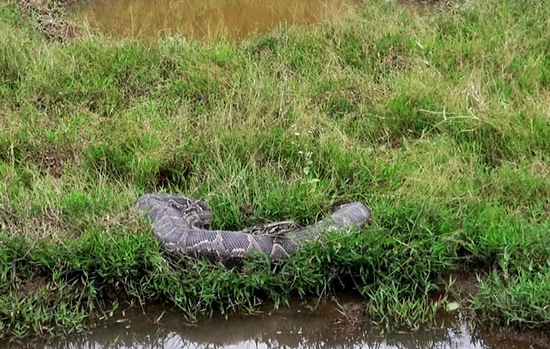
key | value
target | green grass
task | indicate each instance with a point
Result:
(439, 122)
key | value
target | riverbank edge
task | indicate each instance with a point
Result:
(60, 288)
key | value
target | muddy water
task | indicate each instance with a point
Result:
(330, 326)
(236, 19)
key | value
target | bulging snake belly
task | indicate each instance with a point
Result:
(182, 224)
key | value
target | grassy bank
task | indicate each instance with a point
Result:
(440, 122)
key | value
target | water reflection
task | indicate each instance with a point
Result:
(294, 327)
(236, 19)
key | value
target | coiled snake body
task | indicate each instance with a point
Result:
(181, 224)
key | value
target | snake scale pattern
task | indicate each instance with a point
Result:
(182, 224)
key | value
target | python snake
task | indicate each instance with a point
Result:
(182, 224)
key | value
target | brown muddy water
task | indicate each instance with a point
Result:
(331, 325)
(205, 19)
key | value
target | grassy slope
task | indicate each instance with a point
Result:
(439, 122)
